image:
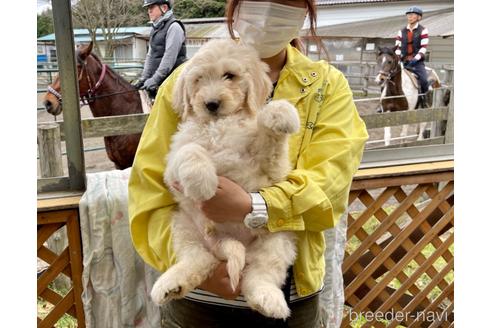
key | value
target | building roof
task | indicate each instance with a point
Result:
(82, 34)
(195, 28)
(203, 20)
(201, 31)
(82, 38)
(348, 2)
(439, 23)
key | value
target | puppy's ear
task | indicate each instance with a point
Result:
(181, 98)
(259, 86)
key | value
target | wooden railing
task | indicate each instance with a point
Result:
(49, 138)
(398, 262)
(68, 262)
(399, 258)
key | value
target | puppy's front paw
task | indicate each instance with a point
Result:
(280, 116)
(269, 301)
(191, 172)
(201, 185)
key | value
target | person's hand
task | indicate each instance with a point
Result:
(230, 203)
(137, 84)
(220, 284)
(151, 85)
(413, 62)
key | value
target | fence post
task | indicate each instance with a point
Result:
(449, 135)
(437, 101)
(50, 157)
(449, 79)
(51, 165)
(365, 79)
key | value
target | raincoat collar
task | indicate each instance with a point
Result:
(302, 68)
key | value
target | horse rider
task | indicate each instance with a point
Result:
(411, 46)
(166, 46)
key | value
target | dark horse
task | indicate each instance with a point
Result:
(399, 88)
(107, 94)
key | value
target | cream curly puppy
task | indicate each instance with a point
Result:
(227, 130)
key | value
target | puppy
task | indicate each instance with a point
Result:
(227, 130)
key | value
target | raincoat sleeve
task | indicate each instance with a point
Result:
(315, 193)
(150, 202)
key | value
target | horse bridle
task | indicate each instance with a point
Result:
(389, 75)
(90, 95)
(91, 92)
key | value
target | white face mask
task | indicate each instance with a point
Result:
(268, 27)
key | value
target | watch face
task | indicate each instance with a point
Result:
(256, 221)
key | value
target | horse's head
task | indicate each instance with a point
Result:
(387, 63)
(88, 68)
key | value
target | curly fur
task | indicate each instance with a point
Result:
(227, 130)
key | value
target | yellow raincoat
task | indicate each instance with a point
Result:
(325, 154)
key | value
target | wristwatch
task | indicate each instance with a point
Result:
(259, 216)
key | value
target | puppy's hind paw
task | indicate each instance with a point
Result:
(172, 284)
(162, 295)
(280, 116)
(163, 291)
(269, 301)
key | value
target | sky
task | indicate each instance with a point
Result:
(42, 5)
(45, 4)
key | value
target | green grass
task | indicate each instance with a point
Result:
(44, 308)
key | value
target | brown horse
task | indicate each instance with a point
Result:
(399, 88)
(107, 94)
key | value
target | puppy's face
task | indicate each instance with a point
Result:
(222, 79)
(217, 89)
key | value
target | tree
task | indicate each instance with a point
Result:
(45, 23)
(108, 16)
(199, 9)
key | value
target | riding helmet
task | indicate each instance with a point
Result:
(415, 10)
(156, 2)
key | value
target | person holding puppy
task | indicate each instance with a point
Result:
(325, 154)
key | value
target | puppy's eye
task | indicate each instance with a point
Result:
(229, 76)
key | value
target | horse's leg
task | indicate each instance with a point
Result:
(387, 135)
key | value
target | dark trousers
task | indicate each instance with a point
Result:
(184, 313)
(419, 69)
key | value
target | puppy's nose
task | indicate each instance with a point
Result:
(213, 105)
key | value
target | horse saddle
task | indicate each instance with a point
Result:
(413, 78)
(146, 101)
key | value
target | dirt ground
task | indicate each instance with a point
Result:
(96, 159)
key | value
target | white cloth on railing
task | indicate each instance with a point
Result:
(116, 281)
(332, 298)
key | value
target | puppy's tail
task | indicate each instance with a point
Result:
(235, 253)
